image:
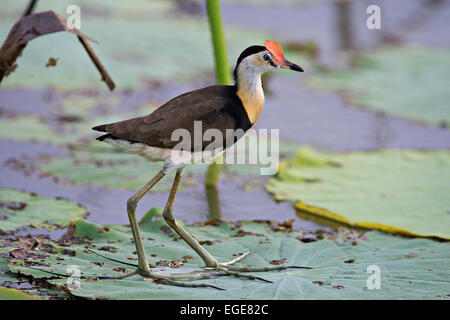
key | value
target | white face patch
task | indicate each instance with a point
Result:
(257, 63)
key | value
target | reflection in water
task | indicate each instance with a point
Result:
(48, 95)
(414, 21)
(92, 198)
(212, 195)
(344, 25)
(380, 130)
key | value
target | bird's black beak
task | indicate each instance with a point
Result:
(289, 65)
(295, 67)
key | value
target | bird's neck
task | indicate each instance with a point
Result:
(249, 90)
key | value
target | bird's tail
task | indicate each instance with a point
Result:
(103, 137)
(101, 128)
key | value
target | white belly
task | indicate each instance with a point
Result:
(172, 158)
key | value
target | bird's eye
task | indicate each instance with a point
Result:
(266, 57)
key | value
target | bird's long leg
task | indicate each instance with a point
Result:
(131, 210)
(210, 261)
(143, 268)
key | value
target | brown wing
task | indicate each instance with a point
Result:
(216, 106)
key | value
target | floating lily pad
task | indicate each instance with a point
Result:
(79, 105)
(410, 269)
(14, 294)
(14, 286)
(131, 174)
(19, 209)
(7, 278)
(30, 129)
(395, 191)
(410, 82)
(53, 130)
(4, 272)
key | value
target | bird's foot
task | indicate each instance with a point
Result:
(210, 272)
(240, 272)
(176, 279)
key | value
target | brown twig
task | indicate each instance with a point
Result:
(30, 8)
(98, 64)
(31, 26)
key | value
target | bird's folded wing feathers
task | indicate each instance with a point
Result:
(215, 106)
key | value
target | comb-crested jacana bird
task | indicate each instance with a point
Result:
(219, 107)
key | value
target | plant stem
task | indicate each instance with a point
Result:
(218, 37)
(223, 74)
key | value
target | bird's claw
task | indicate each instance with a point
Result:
(239, 272)
(219, 270)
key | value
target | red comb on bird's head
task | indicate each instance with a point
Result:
(277, 52)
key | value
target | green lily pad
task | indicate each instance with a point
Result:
(14, 294)
(395, 191)
(20, 209)
(31, 129)
(12, 281)
(4, 272)
(410, 82)
(410, 268)
(52, 130)
(132, 174)
(79, 105)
